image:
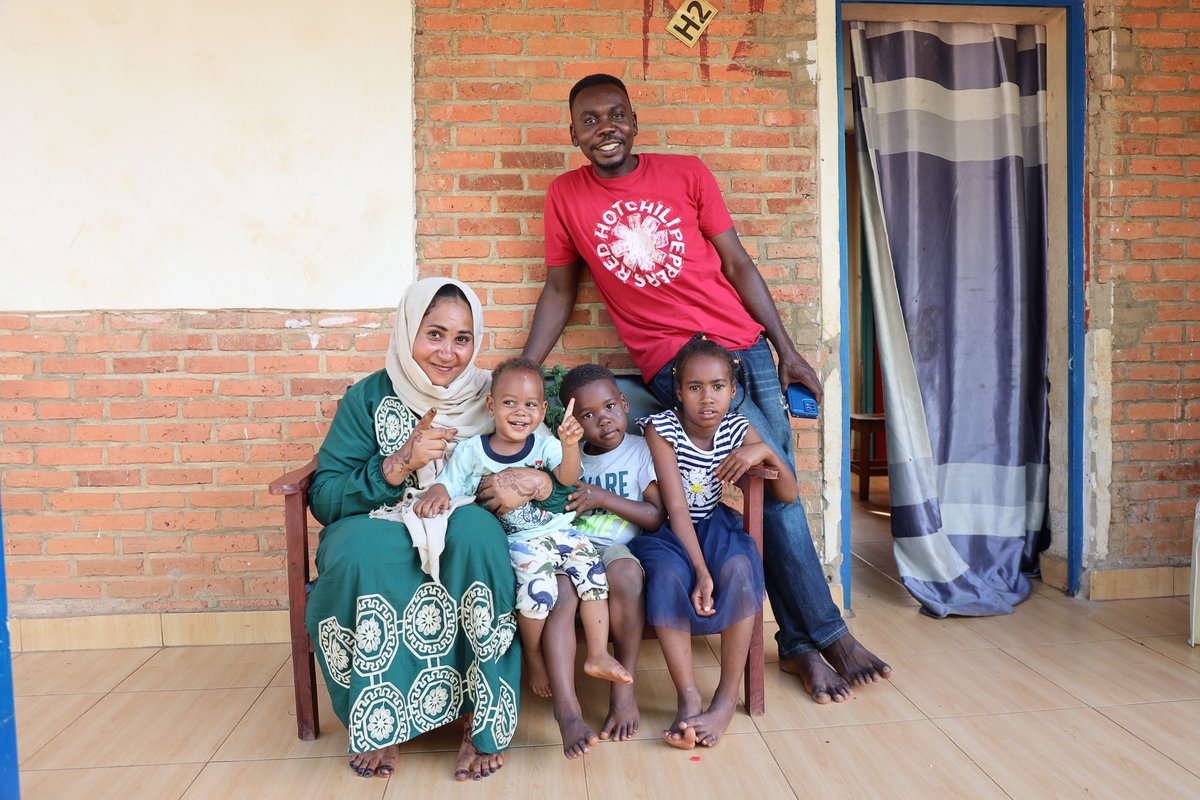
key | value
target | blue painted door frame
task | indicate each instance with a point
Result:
(10, 785)
(1076, 109)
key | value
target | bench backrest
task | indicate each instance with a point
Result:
(642, 403)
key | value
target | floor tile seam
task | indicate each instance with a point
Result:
(1078, 704)
(126, 679)
(1130, 636)
(782, 772)
(927, 714)
(237, 723)
(1038, 672)
(927, 651)
(858, 724)
(111, 766)
(99, 698)
(193, 689)
(1194, 770)
(286, 758)
(61, 694)
(999, 787)
(1165, 655)
(1079, 700)
(1154, 654)
(982, 768)
(192, 782)
(115, 684)
(1114, 638)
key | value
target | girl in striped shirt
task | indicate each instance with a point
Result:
(703, 572)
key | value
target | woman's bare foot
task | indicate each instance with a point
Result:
(679, 734)
(538, 677)
(623, 715)
(471, 763)
(819, 680)
(605, 667)
(858, 665)
(577, 737)
(380, 762)
(712, 724)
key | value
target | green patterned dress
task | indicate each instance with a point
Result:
(401, 654)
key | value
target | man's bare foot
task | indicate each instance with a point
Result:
(858, 665)
(535, 667)
(605, 667)
(818, 678)
(577, 737)
(623, 715)
(684, 739)
(380, 762)
(471, 763)
(712, 724)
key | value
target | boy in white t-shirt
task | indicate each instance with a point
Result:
(540, 542)
(615, 500)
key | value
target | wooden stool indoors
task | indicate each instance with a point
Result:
(868, 427)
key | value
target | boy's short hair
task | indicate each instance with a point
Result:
(580, 377)
(599, 79)
(517, 364)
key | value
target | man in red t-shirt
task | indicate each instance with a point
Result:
(654, 233)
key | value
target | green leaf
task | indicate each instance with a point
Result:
(554, 408)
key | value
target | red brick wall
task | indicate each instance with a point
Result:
(1145, 235)
(135, 449)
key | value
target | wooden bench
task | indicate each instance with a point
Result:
(294, 486)
(868, 426)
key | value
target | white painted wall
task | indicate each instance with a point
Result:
(205, 154)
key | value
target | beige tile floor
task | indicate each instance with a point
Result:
(1064, 698)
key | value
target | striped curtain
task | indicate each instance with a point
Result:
(950, 121)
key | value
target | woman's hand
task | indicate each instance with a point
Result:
(702, 591)
(426, 443)
(570, 431)
(586, 497)
(739, 460)
(513, 488)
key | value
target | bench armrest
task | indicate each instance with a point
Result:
(295, 482)
(766, 473)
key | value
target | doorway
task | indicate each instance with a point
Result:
(1064, 271)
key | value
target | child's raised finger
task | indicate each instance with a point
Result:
(570, 412)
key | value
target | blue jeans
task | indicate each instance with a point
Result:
(807, 617)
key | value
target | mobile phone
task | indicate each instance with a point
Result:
(801, 402)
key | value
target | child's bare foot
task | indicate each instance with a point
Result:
(684, 738)
(539, 679)
(858, 665)
(623, 715)
(380, 762)
(605, 667)
(818, 678)
(712, 724)
(471, 763)
(679, 734)
(577, 737)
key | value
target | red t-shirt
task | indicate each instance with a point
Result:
(644, 236)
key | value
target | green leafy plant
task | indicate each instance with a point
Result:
(554, 410)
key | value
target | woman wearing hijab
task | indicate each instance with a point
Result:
(403, 653)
